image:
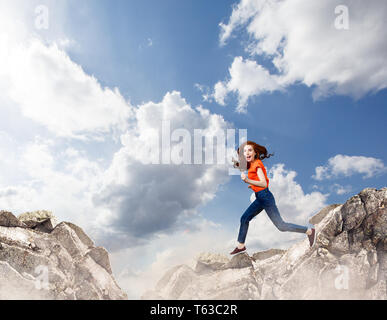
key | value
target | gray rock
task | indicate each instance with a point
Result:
(353, 213)
(262, 255)
(223, 285)
(41, 220)
(172, 285)
(239, 261)
(61, 264)
(209, 262)
(7, 219)
(317, 218)
(101, 256)
(348, 261)
(329, 227)
(340, 244)
(69, 239)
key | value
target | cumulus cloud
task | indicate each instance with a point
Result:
(346, 166)
(247, 78)
(305, 43)
(54, 91)
(126, 201)
(149, 196)
(340, 190)
(42, 184)
(40, 79)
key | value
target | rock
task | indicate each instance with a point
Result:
(181, 282)
(207, 262)
(239, 261)
(7, 219)
(348, 261)
(340, 244)
(316, 219)
(176, 280)
(262, 255)
(41, 220)
(14, 286)
(60, 264)
(373, 199)
(69, 239)
(353, 213)
(330, 226)
(101, 256)
(223, 285)
(80, 234)
(263, 268)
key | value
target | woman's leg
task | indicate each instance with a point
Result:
(250, 213)
(274, 215)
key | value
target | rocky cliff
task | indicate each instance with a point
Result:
(40, 259)
(348, 261)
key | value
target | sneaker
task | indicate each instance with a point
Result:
(237, 250)
(312, 237)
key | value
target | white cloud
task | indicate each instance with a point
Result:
(240, 15)
(340, 190)
(151, 198)
(206, 94)
(247, 78)
(48, 87)
(301, 41)
(52, 90)
(220, 93)
(130, 198)
(343, 165)
(50, 180)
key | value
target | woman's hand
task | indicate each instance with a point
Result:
(243, 177)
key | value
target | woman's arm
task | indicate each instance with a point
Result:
(262, 181)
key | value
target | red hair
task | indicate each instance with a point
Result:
(260, 153)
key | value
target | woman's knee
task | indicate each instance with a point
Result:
(282, 226)
(245, 219)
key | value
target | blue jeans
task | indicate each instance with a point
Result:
(265, 200)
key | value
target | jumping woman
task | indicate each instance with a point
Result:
(251, 160)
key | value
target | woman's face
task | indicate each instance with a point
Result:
(249, 153)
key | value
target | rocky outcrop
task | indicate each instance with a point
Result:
(40, 259)
(348, 261)
(41, 220)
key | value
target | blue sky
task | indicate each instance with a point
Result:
(81, 99)
(147, 49)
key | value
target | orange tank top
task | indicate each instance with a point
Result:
(253, 175)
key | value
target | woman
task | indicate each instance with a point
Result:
(252, 157)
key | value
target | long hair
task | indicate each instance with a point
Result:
(260, 153)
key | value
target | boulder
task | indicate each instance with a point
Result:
(7, 219)
(317, 218)
(239, 261)
(101, 256)
(262, 255)
(208, 262)
(41, 220)
(62, 263)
